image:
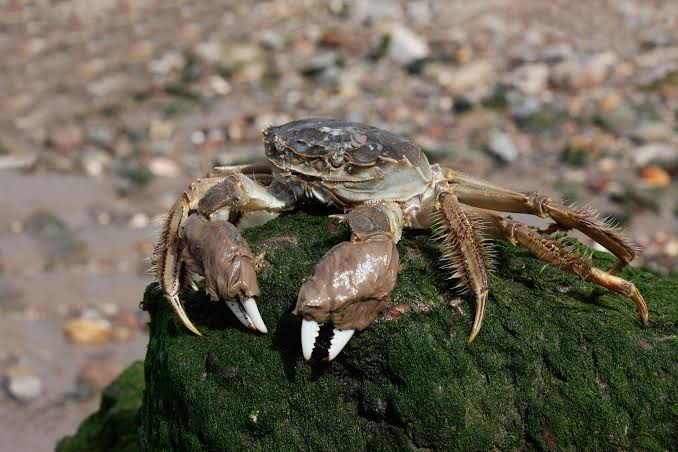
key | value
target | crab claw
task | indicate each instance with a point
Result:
(248, 314)
(350, 287)
(219, 253)
(310, 330)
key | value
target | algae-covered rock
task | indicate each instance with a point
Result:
(115, 425)
(558, 362)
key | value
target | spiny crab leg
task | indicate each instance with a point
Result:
(248, 314)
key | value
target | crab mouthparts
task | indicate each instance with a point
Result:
(310, 331)
(248, 314)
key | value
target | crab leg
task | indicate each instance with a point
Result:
(167, 263)
(554, 253)
(478, 193)
(465, 254)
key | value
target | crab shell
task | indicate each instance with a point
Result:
(346, 162)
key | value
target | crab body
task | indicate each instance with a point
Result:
(383, 183)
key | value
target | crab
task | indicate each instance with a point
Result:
(382, 184)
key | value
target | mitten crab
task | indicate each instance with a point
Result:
(382, 183)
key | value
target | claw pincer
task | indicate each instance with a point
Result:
(218, 252)
(350, 287)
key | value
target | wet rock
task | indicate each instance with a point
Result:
(22, 384)
(399, 370)
(405, 46)
(581, 73)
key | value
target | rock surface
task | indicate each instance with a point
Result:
(559, 363)
(114, 426)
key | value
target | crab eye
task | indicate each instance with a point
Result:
(337, 159)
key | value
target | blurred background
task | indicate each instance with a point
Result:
(109, 108)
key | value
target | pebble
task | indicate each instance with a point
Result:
(65, 137)
(95, 161)
(655, 152)
(501, 145)
(160, 129)
(652, 131)
(582, 73)
(656, 176)
(139, 221)
(406, 46)
(22, 385)
(89, 329)
(163, 167)
(531, 79)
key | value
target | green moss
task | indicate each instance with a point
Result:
(558, 361)
(114, 426)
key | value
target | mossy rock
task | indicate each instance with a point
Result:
(115, 425)
(559, 362)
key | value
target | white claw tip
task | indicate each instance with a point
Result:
(338, 342)
(309, 332)
(253, 312)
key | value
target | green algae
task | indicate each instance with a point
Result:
(559, 363)
(114, 426)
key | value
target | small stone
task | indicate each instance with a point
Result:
(530, 79)
(460, 80)
(95, 161)
(219, 85)
(671, 248)
(652, 131)
(139, 221)
(66, 137)
(501, 145)
(656, 176)
(210, 51)
(406, 46)
(160, 129)
(581, 73)
(89, 330)
(22, 385)
(163, 167)
(101, 135)
(198, 137)
(655, 152)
